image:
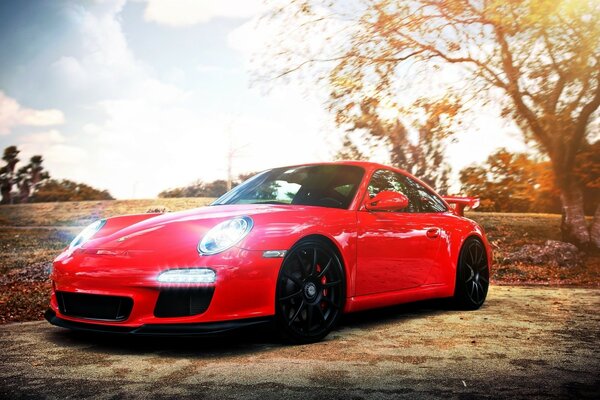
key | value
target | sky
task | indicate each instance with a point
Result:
(141, 96)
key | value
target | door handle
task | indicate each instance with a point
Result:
(433, 233)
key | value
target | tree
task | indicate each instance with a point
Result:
(350, 151)
(27, 178)
(7, 173)
(423, 157)
(204, 189)
(539, 58)
(198, 189)
(30, 177)
(517, 182)
(33, 183)
(512, 182)
(66, 190)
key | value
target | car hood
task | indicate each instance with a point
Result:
(185, 229)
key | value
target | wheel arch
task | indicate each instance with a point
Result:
(457, 247)
(479, 235)
(337, 248)
(458, 293)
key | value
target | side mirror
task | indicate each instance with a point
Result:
(386, 201)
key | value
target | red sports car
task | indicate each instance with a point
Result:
(297, 245)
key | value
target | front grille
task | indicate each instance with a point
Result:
(183, 302)
(93, 306)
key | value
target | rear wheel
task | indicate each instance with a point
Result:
(472, 276)
(310, 292)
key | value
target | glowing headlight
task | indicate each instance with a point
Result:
(87, 233)
(225, 235)
(188, 275)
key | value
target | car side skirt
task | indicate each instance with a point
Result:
(376, 300)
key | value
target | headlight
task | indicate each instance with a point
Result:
(191, 275)
(225, 235)
(87, 233)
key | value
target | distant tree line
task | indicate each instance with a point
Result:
(31, 183)
(204, 189)
(517, 182)
(505, 182)
(66, 190)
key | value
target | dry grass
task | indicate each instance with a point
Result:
(21, 302)
(22, 247)
(507, 232)
(79, 213)
(26, 251)
(25, 258)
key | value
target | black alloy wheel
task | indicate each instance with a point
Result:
(310, 292)
(473, 275)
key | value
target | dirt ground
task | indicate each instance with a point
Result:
(525, 342)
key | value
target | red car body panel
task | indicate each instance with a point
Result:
(389, 258)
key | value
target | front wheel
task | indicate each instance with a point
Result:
(472, 276)
(310, 292)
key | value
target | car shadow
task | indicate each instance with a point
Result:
(239, 342)
(380, 316)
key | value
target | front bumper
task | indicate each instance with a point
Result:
(244, 289)
(204, 329)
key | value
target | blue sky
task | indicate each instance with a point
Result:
(140, 96)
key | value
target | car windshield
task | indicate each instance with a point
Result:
(314, 185)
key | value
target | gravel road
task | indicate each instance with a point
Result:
(525, 342)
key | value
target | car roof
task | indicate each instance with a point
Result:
(368, 165)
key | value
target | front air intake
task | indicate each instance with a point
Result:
(183, 302)
(94, 306)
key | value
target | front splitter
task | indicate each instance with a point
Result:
(206, 329)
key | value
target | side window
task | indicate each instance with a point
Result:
(420, 199)
(384, 180)
(429, 202)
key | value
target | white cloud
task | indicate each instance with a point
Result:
(49, 137)
(70, 71)
(59, 156)
(151, 135)
(12, 114)
(155, 139)
(179, 13)
(107, 66)
(143, 134)
(249, 37)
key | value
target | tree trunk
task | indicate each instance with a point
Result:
(595, 230)
(5, 190)
(574, 227)
(24, 191)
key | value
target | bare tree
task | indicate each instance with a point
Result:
(539, 58)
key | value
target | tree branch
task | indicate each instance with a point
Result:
(581, 125)
(348, 56)
(513, 90)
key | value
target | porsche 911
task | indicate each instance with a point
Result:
(295, 247)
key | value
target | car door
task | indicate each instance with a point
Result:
(395, 249)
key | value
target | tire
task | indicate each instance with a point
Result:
(472, 276)
(311, 290)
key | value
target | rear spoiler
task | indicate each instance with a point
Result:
(460, 203)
